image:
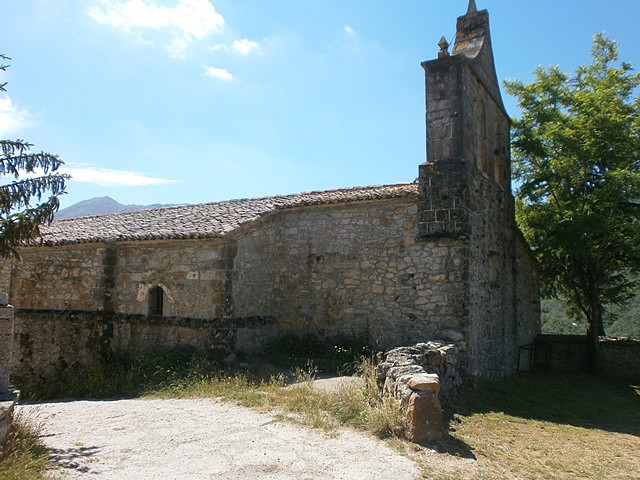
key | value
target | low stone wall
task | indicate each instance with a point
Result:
(419, 376)
(49, 342)
(568, 353)
(441, 358)
(621, 356)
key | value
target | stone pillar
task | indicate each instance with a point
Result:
(424, 413)
(6, 341)
(8, 397)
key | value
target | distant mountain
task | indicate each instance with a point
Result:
(99, 206)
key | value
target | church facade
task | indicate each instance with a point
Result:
(438, 258)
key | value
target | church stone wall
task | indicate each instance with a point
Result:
(192, 273)
(116, 277)
(491, 236)
(492, 330)
(5, 276)
(527, 294)
(61, 278)
(353, 269)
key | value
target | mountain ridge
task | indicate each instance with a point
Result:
(99, 206)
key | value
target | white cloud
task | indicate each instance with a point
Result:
(220, 46)
(219, 73)
(186, 22)
(245, 46)
(104, 177)
(12, 118)
(177, 48)
(349, 31)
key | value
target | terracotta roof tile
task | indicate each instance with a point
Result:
(204, 220)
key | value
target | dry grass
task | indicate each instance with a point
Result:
(544, 426)
(296, 400)
(531, 427)
(548, 426)
(22, 454)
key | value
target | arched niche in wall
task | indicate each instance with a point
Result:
(155, 301)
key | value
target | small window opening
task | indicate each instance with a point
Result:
(156, 297)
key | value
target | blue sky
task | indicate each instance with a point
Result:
(187, 101)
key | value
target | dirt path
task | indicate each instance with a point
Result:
(202, 439)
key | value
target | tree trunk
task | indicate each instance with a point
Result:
(594, 327)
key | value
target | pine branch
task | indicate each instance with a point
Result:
(20, 194)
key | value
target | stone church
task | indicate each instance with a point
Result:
(438, 258)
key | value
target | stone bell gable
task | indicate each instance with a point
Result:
(467, 133)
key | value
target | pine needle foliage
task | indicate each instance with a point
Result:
(30, 187)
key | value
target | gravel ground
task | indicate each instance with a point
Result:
(202, 439)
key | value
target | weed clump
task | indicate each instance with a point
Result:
(338, 354)
(23, 456)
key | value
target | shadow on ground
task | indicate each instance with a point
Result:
(574, 399)
(454, 446)
(69, 458)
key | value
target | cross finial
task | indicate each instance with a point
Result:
(444, 48)
(472, 7)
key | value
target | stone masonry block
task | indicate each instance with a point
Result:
(426, 382)
(397, 372)
(424, 417)
(6, 326)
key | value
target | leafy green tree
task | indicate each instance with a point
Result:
(29, 189)
(577, 165)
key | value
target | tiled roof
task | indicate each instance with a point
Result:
(203, 220)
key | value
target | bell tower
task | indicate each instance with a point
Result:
(465, 191)
(467, 128)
